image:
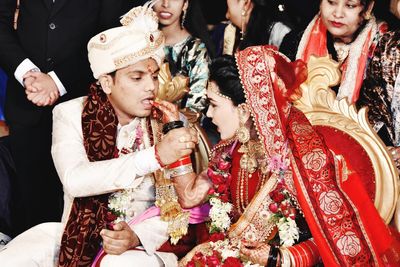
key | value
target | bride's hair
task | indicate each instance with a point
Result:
(224, 73)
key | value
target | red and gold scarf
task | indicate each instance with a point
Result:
(81, 238)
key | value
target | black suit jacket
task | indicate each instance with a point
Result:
(54, 37)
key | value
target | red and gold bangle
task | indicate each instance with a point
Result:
(181, 162)
(157, 156)
(180, 167)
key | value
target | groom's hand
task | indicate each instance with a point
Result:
(120, 239)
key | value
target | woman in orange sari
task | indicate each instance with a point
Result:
(279, 196)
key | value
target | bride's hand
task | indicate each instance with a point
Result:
(170, 111)
(256, 252)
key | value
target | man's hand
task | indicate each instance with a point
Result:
(256, 252)
(28, 84)
(42, 91)
(176, 144)
(120, 239)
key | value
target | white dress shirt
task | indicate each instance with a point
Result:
(27, 65)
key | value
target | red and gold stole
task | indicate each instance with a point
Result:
(268, 80)
(81, 238)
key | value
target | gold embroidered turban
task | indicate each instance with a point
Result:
(138, 38)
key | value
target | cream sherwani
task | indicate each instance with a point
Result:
(80, 178)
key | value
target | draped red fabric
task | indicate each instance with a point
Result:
(252, 182)
(385, 241)
(317, 43)
(293, 74)
(314, 42)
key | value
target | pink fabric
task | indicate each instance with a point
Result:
(197, 215)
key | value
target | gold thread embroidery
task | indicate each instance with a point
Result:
(108, 45)
(121, 61)
(134, 13)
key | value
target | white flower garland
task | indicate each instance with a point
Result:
(219, 215)
(288, 231)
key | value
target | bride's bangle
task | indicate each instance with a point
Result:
(179, 171)
(305, 253)
(180, 162)
(284, 257)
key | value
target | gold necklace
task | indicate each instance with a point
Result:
(221, 144)
(242, 200)
(242, 188)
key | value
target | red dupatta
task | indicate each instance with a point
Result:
(345, 232)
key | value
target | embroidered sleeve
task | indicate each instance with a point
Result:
(377, 87)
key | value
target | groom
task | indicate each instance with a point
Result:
(102, 144)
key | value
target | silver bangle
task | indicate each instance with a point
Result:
(179, 171)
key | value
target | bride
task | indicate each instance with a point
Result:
(278, 195)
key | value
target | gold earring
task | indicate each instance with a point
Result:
(367, 16)
(243, 134)
(248, 162)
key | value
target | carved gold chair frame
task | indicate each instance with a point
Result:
(319, 104)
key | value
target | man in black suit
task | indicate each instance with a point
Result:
(45, 58)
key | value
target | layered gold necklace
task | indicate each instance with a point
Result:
(252, 160)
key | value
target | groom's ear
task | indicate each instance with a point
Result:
(106, 83)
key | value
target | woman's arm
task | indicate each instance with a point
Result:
(192, 189)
